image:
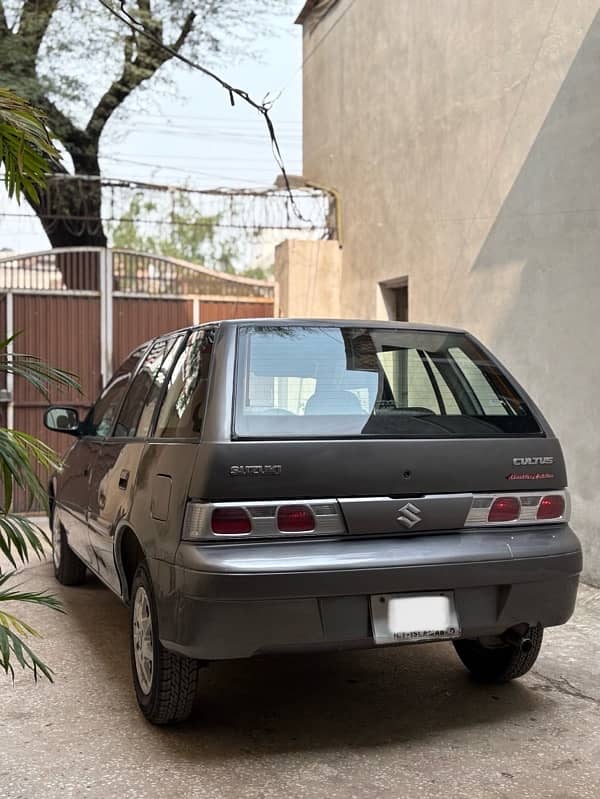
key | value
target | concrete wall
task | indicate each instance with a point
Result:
(464, 138)
(308, 274)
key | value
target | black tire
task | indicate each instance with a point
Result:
(68, 568)
(501, 663)
(170, 689)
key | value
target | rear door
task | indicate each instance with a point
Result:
(81, 463)
(377, 418)
(116, 466)
(72, 497)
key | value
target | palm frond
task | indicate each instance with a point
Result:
(13, 629)
(39, 374)
(19, 536)
(26, 148)
(36, 597)
(11, 643)
(18, 454)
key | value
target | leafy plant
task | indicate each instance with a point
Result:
(20, 453)
(25, 146)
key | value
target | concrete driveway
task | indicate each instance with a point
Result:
(397, 723)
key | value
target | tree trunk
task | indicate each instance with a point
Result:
(70, 211)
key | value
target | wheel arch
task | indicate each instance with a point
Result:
(128, 552)
(51, 497)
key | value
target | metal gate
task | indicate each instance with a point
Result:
(83, 310)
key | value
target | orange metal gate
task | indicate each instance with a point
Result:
(88, 331)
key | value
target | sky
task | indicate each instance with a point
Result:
(191, 135)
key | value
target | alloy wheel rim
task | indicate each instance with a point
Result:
(56, 540)
(143, 644)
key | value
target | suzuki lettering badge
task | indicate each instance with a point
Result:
(408, 515)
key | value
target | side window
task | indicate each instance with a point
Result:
(138, 409)
(409, 380)
(100, 419)
(421, 393)
(183, 407)
(448, 398)
(491, 404)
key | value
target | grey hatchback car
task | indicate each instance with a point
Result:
(258, 486)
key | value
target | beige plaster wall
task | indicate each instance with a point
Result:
(309, 277)
(464, 138)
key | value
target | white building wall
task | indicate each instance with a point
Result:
(464, 138)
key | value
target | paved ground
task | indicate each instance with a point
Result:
(398, 723)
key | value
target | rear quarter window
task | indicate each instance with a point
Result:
(182, 411)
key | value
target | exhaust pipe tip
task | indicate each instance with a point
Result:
(521, 642)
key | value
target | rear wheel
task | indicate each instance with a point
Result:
(68, 569)
(165, 682)
(501, 663)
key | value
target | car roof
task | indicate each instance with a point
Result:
(287, 322)
(262, 321)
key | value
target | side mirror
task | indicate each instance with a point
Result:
(62, 420)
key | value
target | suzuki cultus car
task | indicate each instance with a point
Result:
(260, 486)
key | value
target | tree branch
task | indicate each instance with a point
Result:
(3, 24)
(185, 31)
(150, 56)
(33, 24)
(60, 125)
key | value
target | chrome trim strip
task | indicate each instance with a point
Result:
(330, 519)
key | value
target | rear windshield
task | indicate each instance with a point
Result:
(323, 382)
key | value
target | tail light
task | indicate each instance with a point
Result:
(504, 509)
(551, 507)
(215, 520)
(522, 508)
(295, 519)
(230, 521)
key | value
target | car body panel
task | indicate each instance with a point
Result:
(379, 467)
(112, 483)
(161, 461)
(71, 489)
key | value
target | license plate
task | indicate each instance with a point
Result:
(402, 618)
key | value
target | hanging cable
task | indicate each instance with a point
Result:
(137, 27)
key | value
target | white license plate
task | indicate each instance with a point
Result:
(401, 618)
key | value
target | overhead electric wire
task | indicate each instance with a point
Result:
(224, 119)
(307, 58)
(171, 168)
(137, 27)
(141, 220)
(112, 182)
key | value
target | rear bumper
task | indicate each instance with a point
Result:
(230, 601)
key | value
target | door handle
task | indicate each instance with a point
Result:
(123, 479)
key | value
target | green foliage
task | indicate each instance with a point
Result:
(20, 453)
(13, 630)
(25, 146)
(190, 236)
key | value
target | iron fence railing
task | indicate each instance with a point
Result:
(80, 269)
(141, 273)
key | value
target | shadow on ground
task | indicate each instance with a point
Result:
(295, 703)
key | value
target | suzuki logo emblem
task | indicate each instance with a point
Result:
(408, 515)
